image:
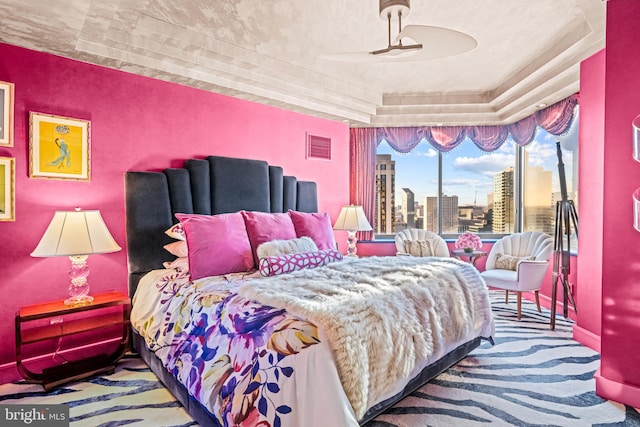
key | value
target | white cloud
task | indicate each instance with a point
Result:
(462, 186)
(460, 181)
(429, 153)
(540, 153)
(487, 164)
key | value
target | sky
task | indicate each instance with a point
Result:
(468, 172)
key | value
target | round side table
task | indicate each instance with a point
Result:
(471, 257)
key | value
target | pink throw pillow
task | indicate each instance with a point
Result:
(264, 227)
(314, 225)
(287, 263)
(217, 244)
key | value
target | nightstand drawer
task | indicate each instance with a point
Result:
(63, 328)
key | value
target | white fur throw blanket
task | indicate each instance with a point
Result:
(284, 247)
(383, 315)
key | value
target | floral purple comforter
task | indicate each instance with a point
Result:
(234, 355)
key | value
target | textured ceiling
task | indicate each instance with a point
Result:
(270, 51)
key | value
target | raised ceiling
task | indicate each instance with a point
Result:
(270, 51)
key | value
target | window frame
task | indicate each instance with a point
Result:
(519, 178)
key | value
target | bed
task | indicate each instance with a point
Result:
(294, 338)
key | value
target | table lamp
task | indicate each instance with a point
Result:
(76, 234)
(352, 219)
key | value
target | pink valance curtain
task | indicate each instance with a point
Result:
(555, 119)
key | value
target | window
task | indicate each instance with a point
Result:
(483, 185)
(542, 188)
(466, 189)
(409, 178)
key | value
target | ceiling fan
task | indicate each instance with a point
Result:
(426, 42)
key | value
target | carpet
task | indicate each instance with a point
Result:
(532, 376)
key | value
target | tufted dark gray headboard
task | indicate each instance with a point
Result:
(203, 186)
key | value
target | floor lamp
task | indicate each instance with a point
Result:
(566, 220)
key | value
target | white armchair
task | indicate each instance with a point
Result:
(436, 243)
(519, 263)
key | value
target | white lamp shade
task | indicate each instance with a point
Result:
(76, 233)
(352, 218)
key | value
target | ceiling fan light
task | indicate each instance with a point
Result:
(393, 8)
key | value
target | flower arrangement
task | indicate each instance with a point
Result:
(469, 242)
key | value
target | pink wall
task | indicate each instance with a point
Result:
(619, 377)
(591, 161)
(137, 123)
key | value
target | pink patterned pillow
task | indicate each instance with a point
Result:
(265, 227)
(281, 264)
(217, 244)
(175, 232)
(314, 225)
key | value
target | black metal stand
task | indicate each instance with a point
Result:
(566, 220)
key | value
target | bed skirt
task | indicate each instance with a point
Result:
(203, 417)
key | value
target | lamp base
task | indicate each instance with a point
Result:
(352, 250)
(78, 287)
(79, 301)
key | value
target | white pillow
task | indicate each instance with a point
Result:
(284, 247)
(419, 247)
(509, 262)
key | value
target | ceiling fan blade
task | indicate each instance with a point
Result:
(437, 42)
(430, 42)
(390, 56)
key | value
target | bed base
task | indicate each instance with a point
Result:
(426, 375)
(194, 408)
(204, 418)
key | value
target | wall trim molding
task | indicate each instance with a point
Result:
(586, 338)
(616, 391)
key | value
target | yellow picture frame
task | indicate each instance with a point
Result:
(59, 147)
(7, 189)
(6, 114)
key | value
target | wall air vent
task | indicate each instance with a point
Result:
(318, 147)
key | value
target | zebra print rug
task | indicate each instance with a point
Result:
(532, 376)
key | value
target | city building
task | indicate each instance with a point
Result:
(431, 213)
(385, 194)
(503, 214)
(450, 219)
(538, 200)
(408, 207)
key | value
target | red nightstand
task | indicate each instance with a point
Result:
(98, 316)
